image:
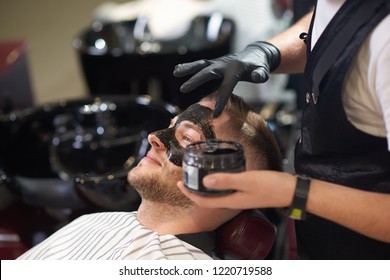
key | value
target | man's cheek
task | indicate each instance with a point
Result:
(175, 155)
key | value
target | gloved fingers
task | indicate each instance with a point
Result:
(185, 69)
(233, 75)
(203, 76)
(260, 75)
(224, 92)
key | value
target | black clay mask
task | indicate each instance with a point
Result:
(199, 115)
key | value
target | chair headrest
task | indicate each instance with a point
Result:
(248, 236)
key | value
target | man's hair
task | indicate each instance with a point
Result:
(250, 130)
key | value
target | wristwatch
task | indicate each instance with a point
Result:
(297, 209)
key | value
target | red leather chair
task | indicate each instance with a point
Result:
(248, 236)
(11, 246)
(251, 236)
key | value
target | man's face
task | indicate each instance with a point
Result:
(156, 175)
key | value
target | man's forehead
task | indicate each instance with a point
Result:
(196, 113)
(201, 116)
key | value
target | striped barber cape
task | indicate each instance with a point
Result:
(111, 236)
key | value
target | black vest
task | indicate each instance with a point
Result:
(332, 149)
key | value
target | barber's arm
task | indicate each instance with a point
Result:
(365, 212)
(291, 47)
(284, 53)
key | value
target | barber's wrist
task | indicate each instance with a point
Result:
(297, 208)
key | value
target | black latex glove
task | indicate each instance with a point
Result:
(253, 64)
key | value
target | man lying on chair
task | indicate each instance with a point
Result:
(166, 216)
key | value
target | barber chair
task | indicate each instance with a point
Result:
(124, 58)
(248, 236)
(59, 161)
(252, 236)
(11, 246)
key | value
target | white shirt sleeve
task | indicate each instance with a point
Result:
(366, 92)
(366, 95)
(381, 41)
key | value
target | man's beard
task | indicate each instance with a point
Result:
(160, 189)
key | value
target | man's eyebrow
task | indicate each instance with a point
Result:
(189, 124)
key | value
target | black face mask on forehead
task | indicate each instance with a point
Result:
(199, 115)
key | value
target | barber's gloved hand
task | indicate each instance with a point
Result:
(253, 64)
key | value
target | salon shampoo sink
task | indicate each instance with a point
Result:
(75, 154)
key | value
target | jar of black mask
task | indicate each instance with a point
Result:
(206, 157)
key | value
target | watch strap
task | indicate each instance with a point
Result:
(297, 209)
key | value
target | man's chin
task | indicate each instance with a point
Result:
(152, 188)
(135, 175)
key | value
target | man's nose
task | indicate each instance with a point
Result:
(155, 141)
